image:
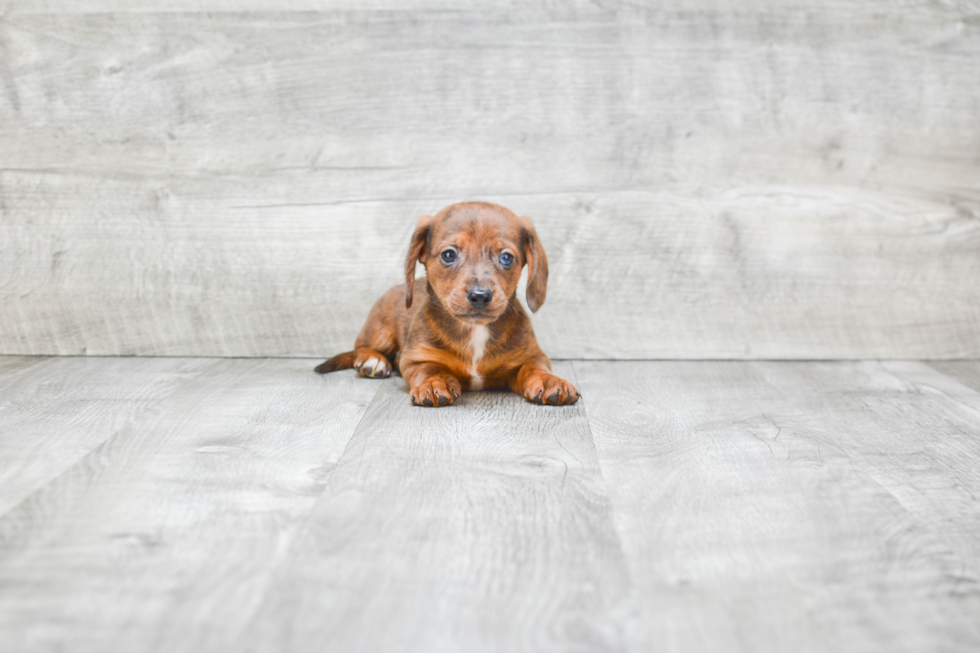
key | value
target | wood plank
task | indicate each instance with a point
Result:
(488, 102)
(53, 412)
(916, 431)
(756, 273)
(11, 365)
(484, 527)
(243, 184)
(966, 372)
(751, 522)
(235, 6)
(164, 537)
(569, 7)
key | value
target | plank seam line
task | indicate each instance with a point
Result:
(633, 597)
(113, 434)
(857, 462)
(302, 524)
(920, 385)
(354, 431)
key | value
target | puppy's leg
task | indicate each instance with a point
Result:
(367, 360)
(371, 363)
(431, 385)
(535, 382)
(376, 344)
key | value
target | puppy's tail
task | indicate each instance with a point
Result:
(343, 361)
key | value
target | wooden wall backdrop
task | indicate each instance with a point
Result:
(711, 179)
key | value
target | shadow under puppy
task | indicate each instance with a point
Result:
(462, 327)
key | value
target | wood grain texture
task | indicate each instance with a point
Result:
(574, 8)
(10, 365)
(680, 506)
(164, 537)
(760, 182)
(756, 514)
(916, 431)
(53, 412)
(965, 372)
(482, 527)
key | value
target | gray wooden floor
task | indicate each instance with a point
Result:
(167, 504)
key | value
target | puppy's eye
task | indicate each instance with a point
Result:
(448, 256)
(506, 259)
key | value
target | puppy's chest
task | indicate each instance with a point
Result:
(479, 340)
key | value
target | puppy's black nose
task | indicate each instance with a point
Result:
(479, 297)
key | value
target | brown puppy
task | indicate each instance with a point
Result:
(462, 327)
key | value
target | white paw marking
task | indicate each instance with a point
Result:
(479, 337)
(374, 368)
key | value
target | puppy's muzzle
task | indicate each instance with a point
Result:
(479, 298)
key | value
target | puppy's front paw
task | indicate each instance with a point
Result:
(372, 364)
(436, 391)
(551, 390)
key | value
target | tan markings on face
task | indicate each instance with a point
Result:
(476, 237)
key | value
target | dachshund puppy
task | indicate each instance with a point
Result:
(462, 327)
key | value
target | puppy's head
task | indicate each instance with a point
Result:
(473, 254)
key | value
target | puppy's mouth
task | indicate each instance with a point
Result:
(478, 317)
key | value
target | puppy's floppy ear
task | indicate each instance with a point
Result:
(537, 266)
(416, 251)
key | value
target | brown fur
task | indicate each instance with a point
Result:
(426, 326)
